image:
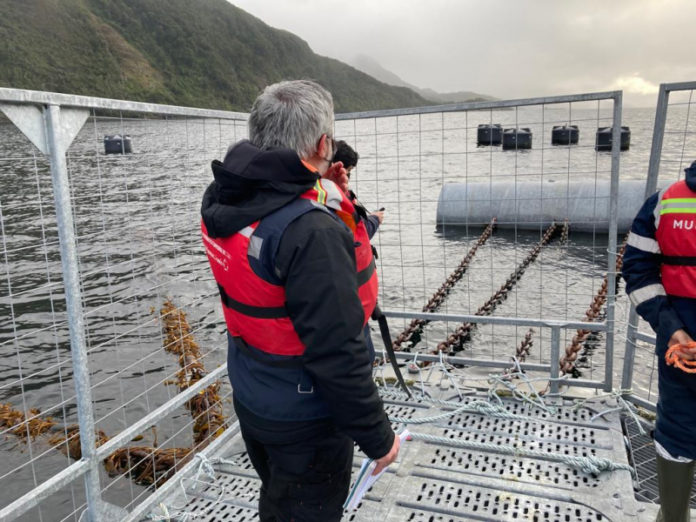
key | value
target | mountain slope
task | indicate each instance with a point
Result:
(374, 69)
(203, 53)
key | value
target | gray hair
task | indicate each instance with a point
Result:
(292, 115)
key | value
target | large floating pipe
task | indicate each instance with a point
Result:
(533, 204)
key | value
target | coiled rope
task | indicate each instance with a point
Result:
(675, 357)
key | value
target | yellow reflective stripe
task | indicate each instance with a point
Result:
(678, 211)
(679, 200)
(321, 193)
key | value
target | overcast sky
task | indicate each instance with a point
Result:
(505, 48)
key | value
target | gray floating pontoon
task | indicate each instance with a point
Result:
(534, 204)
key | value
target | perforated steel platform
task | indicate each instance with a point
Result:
(642, 456)
(437, 482)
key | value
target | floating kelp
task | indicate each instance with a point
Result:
(205, 406)
(68, 442)
(19, 425)
(146, 465)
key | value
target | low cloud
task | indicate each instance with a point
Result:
(634, 85)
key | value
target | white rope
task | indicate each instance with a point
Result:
(622, 405)
(588, 464)
(205, 466)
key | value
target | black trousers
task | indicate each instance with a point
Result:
(304, 468)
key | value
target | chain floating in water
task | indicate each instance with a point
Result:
(412, 334)
(455, 341)
(593, 313)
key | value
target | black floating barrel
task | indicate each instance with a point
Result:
(117, 144)
(517, 139)
(564, 135)
(489, 134)
(603, 140)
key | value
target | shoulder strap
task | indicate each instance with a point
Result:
(386, 338)
(264, 242)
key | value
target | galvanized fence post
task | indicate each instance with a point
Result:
(71, 278)
(555, 358)
(611, 250)
(650, 188)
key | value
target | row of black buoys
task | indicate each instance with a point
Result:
(117, 144)
(494, 134)
(517, 138)
(603, 139)
(565, 135)
(521, 138)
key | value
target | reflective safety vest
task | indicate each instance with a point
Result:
(264, 348)
(675, 221)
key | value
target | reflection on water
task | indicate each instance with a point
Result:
(136, 222)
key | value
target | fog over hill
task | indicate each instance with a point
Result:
(368, 65)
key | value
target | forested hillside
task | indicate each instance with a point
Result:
(201, 53)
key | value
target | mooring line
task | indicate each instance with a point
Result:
(412, 334)
(522, 351)
(462, 334)
(568, 360)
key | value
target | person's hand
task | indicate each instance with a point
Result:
(389, 457)
(338, 175)
(681, 337)
(380, 215)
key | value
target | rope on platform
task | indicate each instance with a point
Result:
(622, 405)
(475, 407)
(180, 513)
(462, 334)
(412, 334)
(588, 464)
(533, 397)
(480, 407)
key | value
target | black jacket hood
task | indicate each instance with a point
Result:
(691, 176)
(251, 183)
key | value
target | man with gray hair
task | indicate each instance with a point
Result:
(297, 285)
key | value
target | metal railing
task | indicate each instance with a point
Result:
(666, 164)
(436, 146)
(51, 122)
(121, 253)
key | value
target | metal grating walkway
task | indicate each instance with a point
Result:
(642, 455)
(436, 482)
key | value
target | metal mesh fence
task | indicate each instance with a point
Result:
(137, 246)
(673, 149)
(409, 160)
(135, 224)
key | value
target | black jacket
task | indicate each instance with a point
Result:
(316, 261)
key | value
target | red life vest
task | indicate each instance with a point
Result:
(675, 221)
(253, 306)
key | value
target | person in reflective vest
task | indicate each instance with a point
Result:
(297, 282)
(659, 267)
(371, 221)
